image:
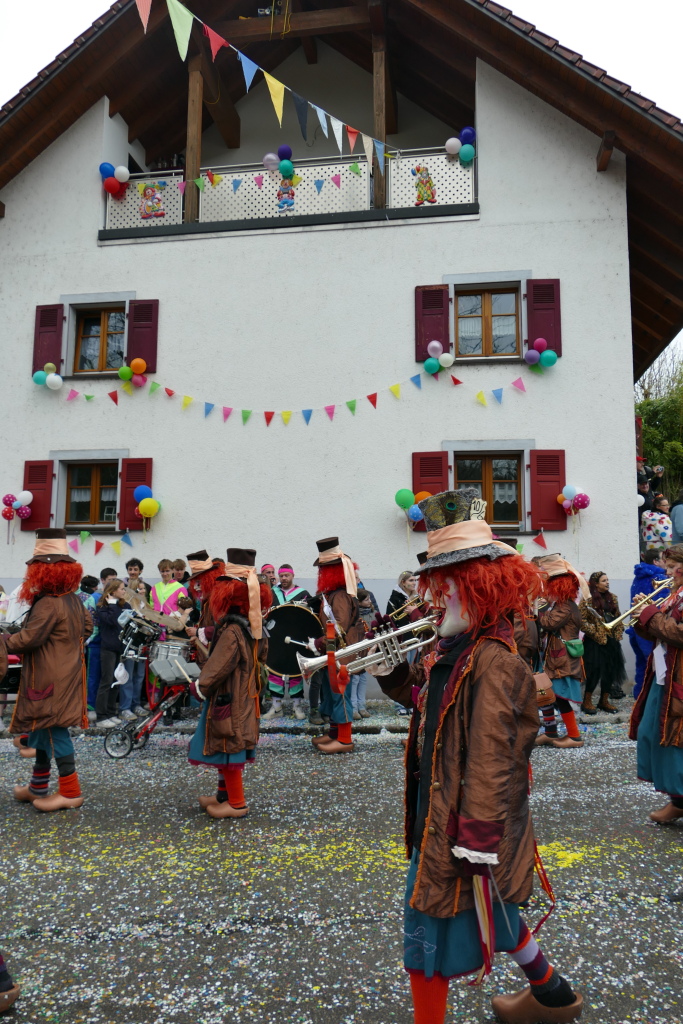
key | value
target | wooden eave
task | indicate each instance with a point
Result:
(432, 47)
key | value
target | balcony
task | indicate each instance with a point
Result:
(329, 191)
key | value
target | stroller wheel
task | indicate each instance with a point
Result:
(141, 742)
(118, 743)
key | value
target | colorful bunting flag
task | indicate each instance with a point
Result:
(127, 539)
(72, 394)
(246, 413)
(144, 7)
(226, 413)
(336, 180)
(338, 129)
(236, 182)
(352, 136)
(368, 147)
(319, 185)
(481, 397)
(301, 106)
(520, 548)
(210, 176)
(395, 390)
(88, 398)
(258, 179)
(307, 413)
(286, 416)
(417, 381)
(248, 67)
(127, 387)
(268, 416)
(354, 168)
(187, 401)
(217, 179)
(116, 547)
(84, 534)
(215, 41)
(537, 368)
(329, 409)
(73, 544)
(455, 381)
(519, 384)
(352, 406)
(379, 150)
(182, 21)
(208, 408)
(200, 183)
(154, 386)
(540, 540)
(296, 179)
(372, 399)
(322, 117)
(114, 395)
(182, 185)
(277, 94)
(169, 392)
(498, 395)
(98, 546)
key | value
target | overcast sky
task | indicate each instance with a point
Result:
(636, 41)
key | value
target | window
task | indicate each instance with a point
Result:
(497, 479)
(100, 339)
(91, 494)
(487, 323)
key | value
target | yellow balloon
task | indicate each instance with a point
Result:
(149, 507)
(50, 368)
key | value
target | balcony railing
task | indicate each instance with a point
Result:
(247, 192)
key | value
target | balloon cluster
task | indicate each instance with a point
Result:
(135, 373)
(17, 504)
(406, 500)
(280, 161)
(540, 353)
(463, 146)
(147, 505)
(438, 359)
(573, 500)
(48, 378)
(115, 179)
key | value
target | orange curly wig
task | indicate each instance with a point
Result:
(232, 596)
(331, 577)
(203, 586)
(52, 578)
(559, 589)
(488, 590)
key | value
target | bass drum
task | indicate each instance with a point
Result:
(290, 620)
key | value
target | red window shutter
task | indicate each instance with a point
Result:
(547, 480)
(47, 338)
(143, 328)
(432, 311)
(430, 473)
(38, 480)
(133, 473)
(543, 312)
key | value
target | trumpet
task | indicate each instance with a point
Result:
(637, 607)
(390, 648)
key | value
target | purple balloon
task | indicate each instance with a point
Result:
(581, 500)
(285, 152)
(531, 356)
(24, 512)
(467, 136)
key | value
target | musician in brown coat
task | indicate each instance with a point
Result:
(52, 693)
(230, 683)
(469, 834)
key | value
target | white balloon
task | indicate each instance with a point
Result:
(271, 161)
(25, 497)
(640, 501)
(453, 146)
(54, 381)
(122, 173)
(446, 360)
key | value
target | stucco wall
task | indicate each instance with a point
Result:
(299, 319)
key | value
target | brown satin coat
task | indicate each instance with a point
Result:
(663, 626)
(487, 725)
(563, 618)
(52, 690)
(231, 668)
(346, 611)
(526, 638)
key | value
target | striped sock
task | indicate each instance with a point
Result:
(221, 792)
(547, 986)
(549, 723)
(6, 982)
(40, 779)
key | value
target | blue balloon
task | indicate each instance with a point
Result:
(142, 492)
(107, 171)
(16, 504)
(285, 152)
(415, 513)
(467, 135)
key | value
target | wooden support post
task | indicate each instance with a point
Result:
(381, 102)
(605, 151)
(308, 43)
(193, 148)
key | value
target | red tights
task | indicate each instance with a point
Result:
(429, 998)
(233, 785)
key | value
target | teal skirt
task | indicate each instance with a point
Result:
(450, 946)
(196, 753)
(662, 766)
(55, 741)
(568, 687)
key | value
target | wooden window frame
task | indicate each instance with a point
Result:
(486, 458)
(81, 316)
(487, 322)
(95, 491)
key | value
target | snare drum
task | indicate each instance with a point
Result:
(170, 649)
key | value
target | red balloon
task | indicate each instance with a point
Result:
(8, 514)
(111, 185)
(138, 513)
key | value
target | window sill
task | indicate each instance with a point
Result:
(98, 529)
(92, 375)
(472, 360)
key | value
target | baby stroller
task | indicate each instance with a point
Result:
(172, 661)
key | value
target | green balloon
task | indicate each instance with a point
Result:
(548, 358)
(466, 154)
(432, 365)
(286, 168)
(404, 498)
(39, 378)
(125, 373)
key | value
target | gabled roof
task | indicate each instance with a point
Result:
(432, 47)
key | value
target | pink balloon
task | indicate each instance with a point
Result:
(566, 504)
(139, 380)
(435, 349)
(581, 500)
(540, 344)
(24, 512)
(9, 500)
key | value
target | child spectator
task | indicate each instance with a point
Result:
(109, 607)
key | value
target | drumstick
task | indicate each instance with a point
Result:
(178, 665)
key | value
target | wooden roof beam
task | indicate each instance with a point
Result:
(654, 280)
(243, 31)
(605, 151)
(646, 327)
(659, 254)
(308, 43)
(650, 308)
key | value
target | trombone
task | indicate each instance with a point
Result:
(638, 606)
(401, 613)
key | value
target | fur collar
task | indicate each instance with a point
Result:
(237, 620)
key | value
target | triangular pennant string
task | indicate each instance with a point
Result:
(226, 412)
(127, 387)
(481, 397)
(98, 546)
(268, 417)
(286, 416)
(246, 413)
(540, 540)
(329, 409)
(322, 117)
(116, 547)
(498, 395)
(144, 7)
(395, 390)
(319, 185)
(236, 182)
(258, 180)
(455, 381)
(372, 399)
(368, 147)
(73, 544)
(301, 106)
(200, 183)
(169, 392)
(72, 394)
(182, 185)
(338, 129)
(307, 413)
(187, 401)
(84, 534)
(537, 368)
(127, 539)
(379, 150)
(211, 176)
(519, 384)
(182, 21)
(417, 381)
(352, 406)
(114, 395)
(248, 68)
(354, 168)
(352, 135)
(215, 41)
(336, 180)
(208, 408)
(88, 398)
(154, 386)
(277, 94)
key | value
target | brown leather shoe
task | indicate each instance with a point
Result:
(317, 740)
(8, 998)
(565, 742)
(604, 704)
(24, 795)
(543, 740)
(226, 810)
(522, 1008)
(335, 747)
(57, 802)
(24, 751)
(205, 801)
(667, 814)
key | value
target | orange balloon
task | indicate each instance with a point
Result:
(560, 499)
(421, 495)
(139, 366)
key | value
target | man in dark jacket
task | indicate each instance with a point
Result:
(646, 575)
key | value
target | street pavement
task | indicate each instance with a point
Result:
(140, 908)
